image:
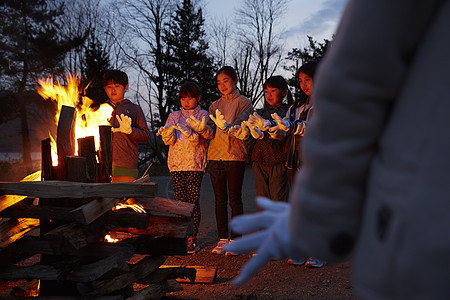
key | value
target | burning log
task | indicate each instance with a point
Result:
(65, 141)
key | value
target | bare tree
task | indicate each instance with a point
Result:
(258, 37)
(220, 34)
(143, 21)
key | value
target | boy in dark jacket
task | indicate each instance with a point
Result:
(128, 127)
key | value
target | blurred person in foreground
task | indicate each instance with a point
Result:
(375, 183)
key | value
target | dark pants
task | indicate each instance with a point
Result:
(226, 179)
(270, 182)
(186, 188)
(291, 176)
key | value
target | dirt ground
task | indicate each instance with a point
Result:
(277, 280)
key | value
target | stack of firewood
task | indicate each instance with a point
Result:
(64, 220)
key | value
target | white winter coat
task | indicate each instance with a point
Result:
(377, 153)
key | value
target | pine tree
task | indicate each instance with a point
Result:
(30, 47)
(96, 62)
(313, 52)
(186, 56)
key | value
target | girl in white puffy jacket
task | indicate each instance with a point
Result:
(187, 152)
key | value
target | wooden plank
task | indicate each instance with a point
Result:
(105, 286)
(167, 226)
(187, 274)
(157, 290)
(89, 212)
(14, 229)
(167, 206)
(204, 274)
(93, 271)
(67, 189)
(9, 200)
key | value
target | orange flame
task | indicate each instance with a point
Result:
(87, 119)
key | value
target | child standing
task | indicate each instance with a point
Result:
(294, 124)
(128, 127)
(187, 153)
(268, 152)
(226, 153)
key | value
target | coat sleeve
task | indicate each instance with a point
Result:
(140, 132)
(355, 88)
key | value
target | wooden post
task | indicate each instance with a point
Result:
(105, 154)
(46, 160)
(76, 169)
(65, 139)
(86, 148)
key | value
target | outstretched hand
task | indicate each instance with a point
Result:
(282, 124)
(124, 124)
(195, 124)
(267, 234)
(184, 130)
(254, 131)
(259, 122)
(165, 131)
(219, 119)
(240, 132)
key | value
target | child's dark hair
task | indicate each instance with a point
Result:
(230, 71)
(115, 76)
(189, 88)
(308, 68)
(280, 83)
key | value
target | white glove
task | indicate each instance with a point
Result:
(259, 122)
(184, 130)
(124, 124)
(195, 124)
(267, 233)
(240, 132)
(254, 131)
(283, 124)
(219, 120)
(165, 131)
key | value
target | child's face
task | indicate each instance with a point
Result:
(306, 83)
(273, 95)
(189, 102)
(115, 91)
(226, 84)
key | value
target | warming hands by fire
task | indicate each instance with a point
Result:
(219, 120)
(124, 124)
(266, 233)
(241, 132)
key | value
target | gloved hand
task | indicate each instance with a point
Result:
(240, 132)
(259, 122)
(124, 124)
(267, 233)
(220, 120)
(196, 124)
(254, 131)
(165, 131)
(283, 124)
(184, 130)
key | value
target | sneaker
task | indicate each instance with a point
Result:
(219, 247)
(296, 262)
(229, 253)
(192, 246)
(314, 263)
